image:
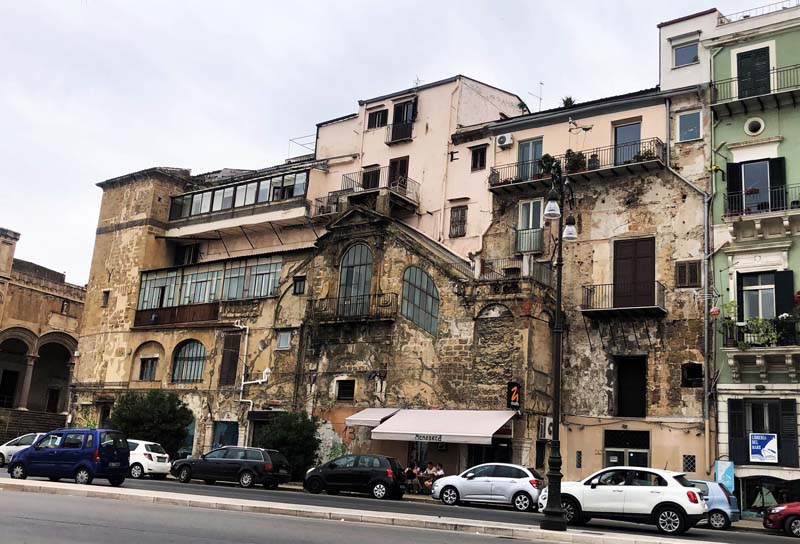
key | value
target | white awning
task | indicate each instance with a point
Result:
(371, 417)
(451, 426)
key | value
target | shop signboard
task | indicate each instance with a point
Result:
(763, 448)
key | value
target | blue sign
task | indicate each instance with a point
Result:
(763, 448)
(723, 473)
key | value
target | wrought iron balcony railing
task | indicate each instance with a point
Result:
(775, 199)
(381, 178)
(399, 132)
(529, 240)
(620, 296)
(756, 12)
(381, 306)
(764, 334)
(773, 81)
(513, 268)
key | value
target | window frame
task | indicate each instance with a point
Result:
(339, 397)
(680, 116)
(530, 203)
(192, 364)
(685, 267)
(685, 45)
(148, 374)
(458, 225)
(479, 152)
(760, 287)
(299, 281)
(283, 334)
(380, 120)
(422, 312)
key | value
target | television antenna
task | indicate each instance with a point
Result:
(539, 96)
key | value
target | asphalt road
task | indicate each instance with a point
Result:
(45, 519)
(364, 503)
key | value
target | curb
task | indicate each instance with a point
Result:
(575, 536)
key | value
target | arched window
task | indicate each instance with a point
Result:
(188, 362)
(420, 301)
(355, 277)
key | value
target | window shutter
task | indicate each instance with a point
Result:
(230, 359)
(733, 177)
(414, 108)
(680, 274)
(787, 437)
(693, 273)
(739, 298)
(737, 438)
(784, 292)
(777, 183)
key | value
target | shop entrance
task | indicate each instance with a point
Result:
(498, 452)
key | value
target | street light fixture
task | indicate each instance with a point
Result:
(560, 190)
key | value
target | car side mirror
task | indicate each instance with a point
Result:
(595, 482)
(470, 476)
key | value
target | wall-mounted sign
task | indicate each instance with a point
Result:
(428, 437)
(723, 473)
(763, 448)
(514, 395)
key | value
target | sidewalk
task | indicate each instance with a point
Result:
(576, 536)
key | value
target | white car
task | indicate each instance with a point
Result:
(662, 498)
(11, 447)
(148, 458)
(497, 483)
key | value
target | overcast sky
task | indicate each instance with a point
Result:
(94, 89)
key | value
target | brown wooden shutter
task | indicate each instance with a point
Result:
(738, 446)
(787, 437)
(230, 359)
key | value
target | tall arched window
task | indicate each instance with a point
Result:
(188, 362)
(355, 277)
(420, 301)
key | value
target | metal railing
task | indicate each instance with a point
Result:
(573, 162)
(512, 268)
(610, 296)
(756, 12)
(399, 132)
(529, 240)
(381, 178)
(361, 307)
(776, 199)
(773, 81)
(326, 205)
(772, 333)
(177, 314)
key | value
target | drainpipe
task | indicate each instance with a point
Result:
(246, 329)
(451, 128)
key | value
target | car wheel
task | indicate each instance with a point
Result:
(185, 475)
(450, 496)
(246, 479)
(792, 526)
(136, 471)
(18, 471)
(718, 519)
(380, 490)
(522, 502)
(2, 460)
(83, 476)
(116, 482)
(572, 510)
(670, 521)
(315, 485)
(210, 482)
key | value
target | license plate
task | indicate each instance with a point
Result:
(162, 459)
(283, 471)
(113, 464)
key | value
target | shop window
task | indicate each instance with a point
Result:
(692, 375)
(622, 447)
(345, 389)
(689, 463)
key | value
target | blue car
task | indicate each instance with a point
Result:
(723, 508)
(80, 454)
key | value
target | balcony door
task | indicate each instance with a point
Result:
(529, 154)
(355, 277)
(398, 174)
(529, 225)
(627, 142)
(753, 72)
(402, 120)
(634, 273)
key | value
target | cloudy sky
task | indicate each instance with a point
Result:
(92, 89)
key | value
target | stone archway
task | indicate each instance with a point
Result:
(14, 354)
(49, 387)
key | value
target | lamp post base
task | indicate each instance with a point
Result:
(553, 524)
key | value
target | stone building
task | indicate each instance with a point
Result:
(39, 321)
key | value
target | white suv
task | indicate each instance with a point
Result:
(148, 458)
(644, 495)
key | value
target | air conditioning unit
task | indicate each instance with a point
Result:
(505, 140)
(545, 431)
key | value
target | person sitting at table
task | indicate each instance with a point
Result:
(439, 470)
(412, 482)
(429, 475)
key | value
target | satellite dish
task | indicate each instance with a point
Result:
(262, 345)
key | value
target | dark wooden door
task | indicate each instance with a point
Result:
(634, 273)
(753, 72)
(230, 359)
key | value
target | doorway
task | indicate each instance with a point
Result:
(8, 387)
(631, 387)
(53, 400)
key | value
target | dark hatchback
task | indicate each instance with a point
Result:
(248, 466)
(382, 477)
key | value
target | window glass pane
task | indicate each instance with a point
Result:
(686, 54)
(768, 303)
(205, 206)
(250, 194)
(755, 182)
(284, 339)
(524, 215)
(240, 194)
(197, 201)
(277, 188)
(300, 184)
(420, 302)
(750, 280)
(73, 441)
(767, 278)
(689, 128)
(217, 205)
(216, 454)
(227, 198)
(263, 191)
(751, 304)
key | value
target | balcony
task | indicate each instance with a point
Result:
(364, 186)
(529, 240)
(642, 299)
(773, 89)
(397, 133)
(192, 313)
(756, 12)
(600, 162)
(378, 307)
(327, 206)
(762, 333)
(777, 199)
(515, 268)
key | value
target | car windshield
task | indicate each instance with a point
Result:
(681, 479)
(154, 448)
(113, 440)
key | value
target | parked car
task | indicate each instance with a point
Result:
(723, 508)
(662, 498)
(498, 483)
(82, 454)
(248, 466)
(784, 517)
(380, 476)
(11, 447)
(148, 458)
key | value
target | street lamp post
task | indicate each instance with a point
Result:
(554, 513)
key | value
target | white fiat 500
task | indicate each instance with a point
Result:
(498, 483)
(644, 495)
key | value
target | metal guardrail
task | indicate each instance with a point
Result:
(774, 81)
(777, 199)
(609, 296)
(512, 268)
(381, 178)
(529, 240)
(399, 132)
(756, 12)
(362, 307)
(778, 332)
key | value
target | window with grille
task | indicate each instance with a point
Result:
(147, 369)
(478, 158)
(420, 302)
(579, 459)
(458, 221)
(689, 463)
(687, 274)
(345, 389)
(189, 362)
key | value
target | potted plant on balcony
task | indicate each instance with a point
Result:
(594, 162)
(574, 162)
(759, 332)
(727, 325)
(546, 163)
